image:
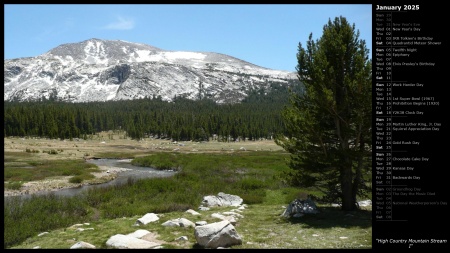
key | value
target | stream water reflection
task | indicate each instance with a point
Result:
(134, 172)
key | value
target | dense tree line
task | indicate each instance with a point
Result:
(257, 116)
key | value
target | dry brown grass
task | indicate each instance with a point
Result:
(101, 145)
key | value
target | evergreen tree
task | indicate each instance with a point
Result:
(328, 127)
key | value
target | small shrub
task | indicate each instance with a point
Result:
(130, 181)
(13, 185)
(251, 184)
(31, 150)
(50, 152)
(66, 172)
(34, 163)
(252, 198)
(76, 180)
(160, 162)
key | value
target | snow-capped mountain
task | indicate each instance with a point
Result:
(100, 70)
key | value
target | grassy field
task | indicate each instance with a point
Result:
(261, 228)
(252, 170)
(114, 144)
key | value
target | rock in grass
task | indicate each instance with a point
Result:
(218, 234)
(82, 245)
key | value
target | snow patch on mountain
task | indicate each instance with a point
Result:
(101, 70)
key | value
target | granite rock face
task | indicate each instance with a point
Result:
(102, 70)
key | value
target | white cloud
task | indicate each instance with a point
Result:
(121, 24)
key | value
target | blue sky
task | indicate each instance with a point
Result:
(265, 35)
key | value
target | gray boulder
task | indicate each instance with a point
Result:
(192, 212)
(147, 218)
(218, 234)
(222, 199)
(120, 241)
(229, 218)
(367, 202)
(200, 223)
(139, 233)
(82, 245)
(180, 222)
(298, 208)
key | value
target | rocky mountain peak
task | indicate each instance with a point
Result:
(95, 51)
(100, 70)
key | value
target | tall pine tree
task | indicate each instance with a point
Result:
(328, 127)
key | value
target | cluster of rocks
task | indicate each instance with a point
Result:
(222, 199)
(298, 208)
(220, 234)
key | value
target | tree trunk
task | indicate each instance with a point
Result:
(346, 174)
(358, 173)
(348, 203)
